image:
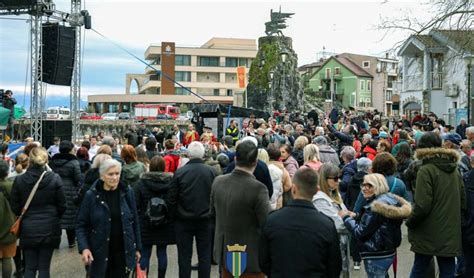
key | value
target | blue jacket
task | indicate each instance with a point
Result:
(93, 228)
(378, 232)
(348, 171)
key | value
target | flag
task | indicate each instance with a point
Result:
(241, 76)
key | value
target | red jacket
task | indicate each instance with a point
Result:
(171, 162)
(190, 137)
(369, 152)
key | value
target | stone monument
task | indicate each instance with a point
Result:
(274, 81)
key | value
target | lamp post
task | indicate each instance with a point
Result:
(270, 95)
(470, 115)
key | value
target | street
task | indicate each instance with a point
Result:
(67, 262)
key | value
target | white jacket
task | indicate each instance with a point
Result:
(327, 206)
(277, 176)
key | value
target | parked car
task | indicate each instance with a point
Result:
(110, 116)
(124, 116)
(164, 117)
(91, 116)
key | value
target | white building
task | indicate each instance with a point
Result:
(434, 73)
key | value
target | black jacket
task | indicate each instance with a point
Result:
(68, 168)
(40, 226)
(153, 184)
(378, 233)
(353, 189)
(468, 223)
(298, 241)
(93, 228)
(299, 156)
(344, 139)
(190, 191)
(261, 173)
(85, 165)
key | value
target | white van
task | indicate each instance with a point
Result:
(58, 113)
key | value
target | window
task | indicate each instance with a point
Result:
(183, 76)
(216, 92)
(180, 91)
(328, 73)
(182, 60)
(369, 85)
(243, 62)
(337, 70)
(362, 85)
(231, 62)
(366, 64)
(229, 92)
(208, 61)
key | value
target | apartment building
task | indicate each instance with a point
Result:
(208, 71)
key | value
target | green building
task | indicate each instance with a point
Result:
(352, 85)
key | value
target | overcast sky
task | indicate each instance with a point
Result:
(339, 26)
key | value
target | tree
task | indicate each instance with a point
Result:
(444, 14)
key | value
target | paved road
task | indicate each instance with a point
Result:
(67, 262)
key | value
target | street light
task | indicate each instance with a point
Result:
(468, 59)
(284, 56)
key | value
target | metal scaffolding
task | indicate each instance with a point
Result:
(47, 9)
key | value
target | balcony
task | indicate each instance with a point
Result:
(437, 80)
(336, 76)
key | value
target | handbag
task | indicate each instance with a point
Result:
(15, 229)
(138, 272)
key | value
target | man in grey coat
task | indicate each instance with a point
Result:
(326, 153)
(240, 204)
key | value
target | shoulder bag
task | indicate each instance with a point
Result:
(15, 229)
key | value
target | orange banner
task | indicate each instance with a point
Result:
(241, 76)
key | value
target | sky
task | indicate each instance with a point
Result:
(336, 26)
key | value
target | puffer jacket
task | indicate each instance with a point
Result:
(378, 232)
(150, 185)
(40, 227)
(369, 152)
(68, 168)
(277, 177)
(131, 172)
(93, 227)
(434, 227)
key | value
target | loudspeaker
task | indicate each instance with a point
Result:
(59, 43)
(51, 129)
(17, 4)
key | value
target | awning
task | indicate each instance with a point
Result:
(412, 106)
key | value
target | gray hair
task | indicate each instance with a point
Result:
(251, 139)
(109, 141)
(470, 130)
(320, 129)
(366, 136)
(107, 164)
(364, 164)
(348, 152)
(320, 140)
(196, 150)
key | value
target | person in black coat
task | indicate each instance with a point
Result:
(298, 240)
(66, 165)
(188, 200)
(154, 184)
(40, 231)
(108, 229)
(83, 158)
(91, 176)
(468, 227)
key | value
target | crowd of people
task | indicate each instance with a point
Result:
(290, 196)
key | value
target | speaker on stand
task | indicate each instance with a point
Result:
(51, 129)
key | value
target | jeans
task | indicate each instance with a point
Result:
(422, 262)
(160, 254)
(378, 268)
(186, 231)
(37, 260)
(468, 261)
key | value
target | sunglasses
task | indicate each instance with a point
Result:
(368, 185)
(336, 179)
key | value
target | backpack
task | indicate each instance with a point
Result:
(156, 212)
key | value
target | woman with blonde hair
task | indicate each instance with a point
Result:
(378, 228)
(311, 157)
(40, 231)
(276, 174)
(328, 201)
(297, 153)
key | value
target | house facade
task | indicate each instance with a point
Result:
(434, 74)
(341, 80)
(385, 73)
